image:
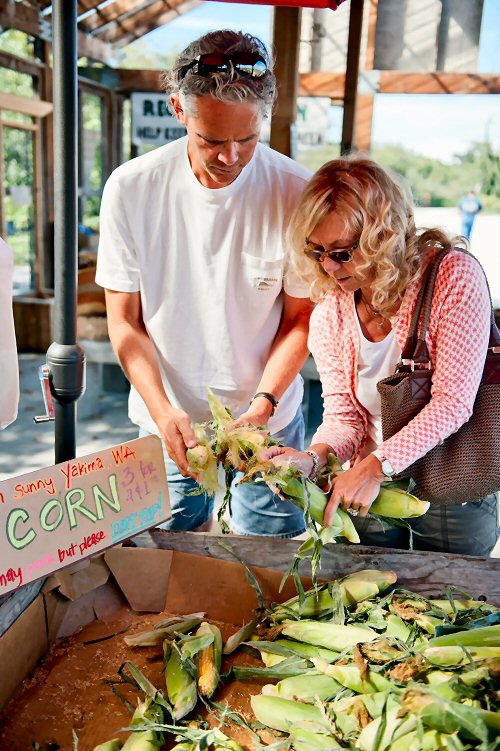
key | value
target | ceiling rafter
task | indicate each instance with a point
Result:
(153, 14)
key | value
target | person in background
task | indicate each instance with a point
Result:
(198, 287)
(354, 241)
(469, 206)
(9, 367)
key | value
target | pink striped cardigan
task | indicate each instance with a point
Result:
(457, 340)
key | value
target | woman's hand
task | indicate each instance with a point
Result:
(284, 455)
(355, 489)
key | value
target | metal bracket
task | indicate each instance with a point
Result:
(44, 376)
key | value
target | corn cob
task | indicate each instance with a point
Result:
(282, 714)
(350, 677)
(450, 716)
(395, 728)
(430, 740)
(304, 738)
(270, 658)
(330, 635)
(354, 588)
(208, 660)
(488, 636)
(454, 656)
(176, 626)
(446, 606)
(181, 687)
(304, 687)
(144, 740)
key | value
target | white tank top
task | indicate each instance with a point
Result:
(376, 360)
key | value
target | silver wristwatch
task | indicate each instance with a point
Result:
(387, 468)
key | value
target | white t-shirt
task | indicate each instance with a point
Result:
(210, 267)
(9, 368)
(376, 360)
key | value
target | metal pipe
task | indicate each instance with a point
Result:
(65, 358)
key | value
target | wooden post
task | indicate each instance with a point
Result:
(286, 38)
(351, 77)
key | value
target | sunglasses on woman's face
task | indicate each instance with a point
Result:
(340, 255)
(248, 64)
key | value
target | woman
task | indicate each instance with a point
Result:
(354, 240)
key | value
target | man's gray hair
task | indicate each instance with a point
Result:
(227, 86)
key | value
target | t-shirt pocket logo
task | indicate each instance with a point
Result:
(264, 283)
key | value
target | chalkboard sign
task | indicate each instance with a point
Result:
(56, 516)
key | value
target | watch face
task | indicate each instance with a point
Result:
(387, 468)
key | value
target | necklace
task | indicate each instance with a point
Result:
(374, 313)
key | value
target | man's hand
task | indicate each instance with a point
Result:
(257, 414)
(355, 489)
(177, 434)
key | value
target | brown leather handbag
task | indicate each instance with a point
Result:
(466, 466)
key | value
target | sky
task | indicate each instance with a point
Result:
(437, 126)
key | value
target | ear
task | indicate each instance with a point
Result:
(179, 112)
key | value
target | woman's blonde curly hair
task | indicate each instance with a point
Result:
(376, 207)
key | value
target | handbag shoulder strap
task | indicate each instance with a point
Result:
(421, 314)
(415, 349)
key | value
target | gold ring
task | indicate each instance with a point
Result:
(352, 511)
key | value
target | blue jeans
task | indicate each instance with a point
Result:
(255, 509)
(470, 529)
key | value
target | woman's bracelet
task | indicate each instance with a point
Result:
(313, 474)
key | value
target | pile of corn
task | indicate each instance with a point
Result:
(346, 666)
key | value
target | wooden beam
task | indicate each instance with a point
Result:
(322, 84)
(95, 49)
(33, 107)
(394, 82)
(114, 12)
(21, 64)
(364, 116)
(351, 76)
(136, 25)
(21, 17)
(286, 40)
(138, 80)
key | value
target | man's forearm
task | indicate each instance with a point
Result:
(137, 356)
(288, 354)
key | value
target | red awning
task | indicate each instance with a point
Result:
(332, 4)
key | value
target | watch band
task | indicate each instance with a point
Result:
(313, 474)
(270, 397)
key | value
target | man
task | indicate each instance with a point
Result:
(198, 288)
(469, 206)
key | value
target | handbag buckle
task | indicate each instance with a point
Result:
(411, 364)
(495, 350)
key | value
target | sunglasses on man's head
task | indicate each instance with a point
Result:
(340, 255)
(248, 64)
